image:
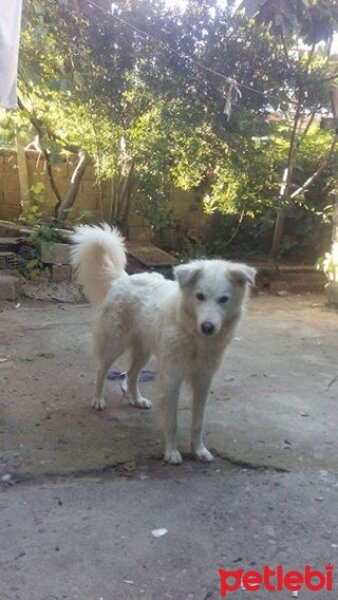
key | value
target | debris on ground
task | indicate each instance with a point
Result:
(129, 467)
(159, 532)
(7, 479)
(332, 382)
(283, 293)
(145, 375)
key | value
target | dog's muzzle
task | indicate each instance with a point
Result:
(208, 328)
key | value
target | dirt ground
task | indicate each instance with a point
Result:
(273, 403)
(81, 491)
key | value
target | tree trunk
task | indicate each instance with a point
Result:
(62, 206)
(286, 184)
(67, 203)
(23, 176)
(121, 190)
(278, 233)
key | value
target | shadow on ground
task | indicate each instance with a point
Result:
(81, 491)
(273, 403)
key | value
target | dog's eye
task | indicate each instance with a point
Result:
(223, 299)
(200, 297)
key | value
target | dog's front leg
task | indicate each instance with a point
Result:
(200, 387)
(169, 391)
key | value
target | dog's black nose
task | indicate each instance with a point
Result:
(207, 328)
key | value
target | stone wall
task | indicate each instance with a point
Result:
(92, 196)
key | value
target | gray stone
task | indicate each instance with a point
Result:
(9, 286)
(58, 254)
(61, 273)
(332, 292)
(62, 291)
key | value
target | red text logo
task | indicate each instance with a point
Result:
(276, 580)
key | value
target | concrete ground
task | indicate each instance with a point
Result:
(82, 491)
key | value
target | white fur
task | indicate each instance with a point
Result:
(95, 247)
(185, 323)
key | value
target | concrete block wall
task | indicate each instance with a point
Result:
(9, 186)
(92, 197)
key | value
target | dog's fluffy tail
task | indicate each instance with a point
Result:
(99, 257)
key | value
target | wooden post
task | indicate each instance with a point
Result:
(335, 222)
(23, 176)
(334, 102)
(332, 123)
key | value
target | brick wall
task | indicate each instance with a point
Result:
(92, 196)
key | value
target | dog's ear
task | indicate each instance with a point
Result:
(242, 274)
(187, 274)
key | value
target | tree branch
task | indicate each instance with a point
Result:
(309, 58)
(238, 226)
(63, 205)
(39, 129)
(68, 202)
(286, 182)
(285, 50)
(38, 124)
(331, 78)
(319, 170)
(292, 150)
(308, 125)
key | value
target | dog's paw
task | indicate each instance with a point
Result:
(98, 403)
(140, 402)
(204, 455)
(173, 457)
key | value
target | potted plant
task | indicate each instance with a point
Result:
(329, 265)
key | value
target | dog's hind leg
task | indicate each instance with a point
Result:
(109, 343)
(98, 401)
(106, 356)
(139, 357)
(200, 383)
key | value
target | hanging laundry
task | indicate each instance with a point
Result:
(233, 95)
(10, 22)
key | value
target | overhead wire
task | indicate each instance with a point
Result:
(167, 46)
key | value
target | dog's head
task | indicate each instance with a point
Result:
(213, 291)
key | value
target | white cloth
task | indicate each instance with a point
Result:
(10, 22)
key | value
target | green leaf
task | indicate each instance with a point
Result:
(79, 79)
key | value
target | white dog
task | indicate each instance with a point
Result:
(186, 324)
